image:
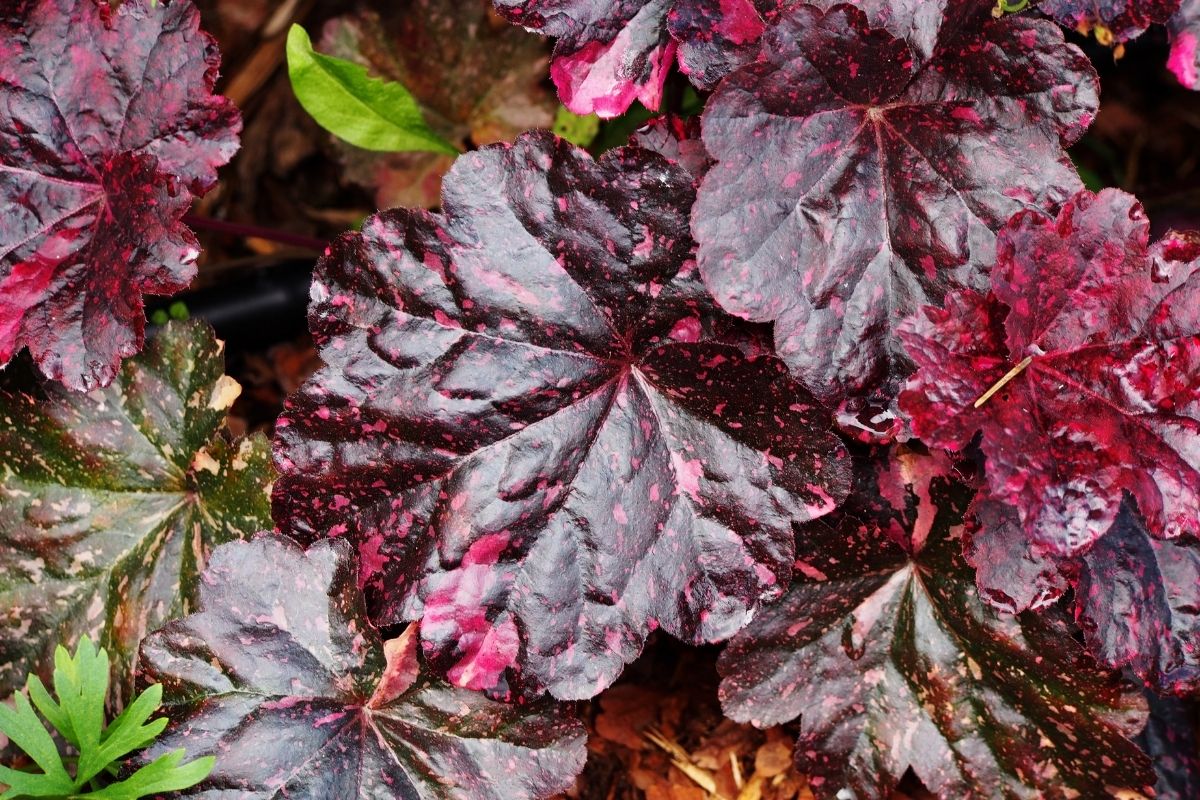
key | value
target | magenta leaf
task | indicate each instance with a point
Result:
(281, 676)
(862, 171)
(1111, 21)
(1184, 28)
(612, 52)
(1102, 333)
(108, 128)
(886, 654)
(530, 430)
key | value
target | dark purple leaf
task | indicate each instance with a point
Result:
(282, 678)
(717, 36)
(108, 127)
(1136, 597)
(1184, 28)
(527, 427)
(678, 139)
(612, 52)
(862, 171)
(1171, 741)
(1138, 602)
(1112, 21)
(890, 660)
(1102, 334)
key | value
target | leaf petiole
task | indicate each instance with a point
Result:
(1000, 384)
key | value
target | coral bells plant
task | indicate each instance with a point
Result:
(847, 374)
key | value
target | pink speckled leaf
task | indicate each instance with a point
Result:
(108, 127)
(1109, 401)
(612, 52)
(862, 171)
(890, 660)
(531, 431)
(1112, 21)
(110, 501)
(1184, 28)
(280, 674)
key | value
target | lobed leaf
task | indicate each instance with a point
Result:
(282, 676)
(864, 161)
(81, 686)
(110, 501)
(1108, 401)
(532, 430)
(886, 654)
(108, 129)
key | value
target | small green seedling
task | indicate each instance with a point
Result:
(81, 684)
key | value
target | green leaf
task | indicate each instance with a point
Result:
(81, 684)
(163, 774)
(372, 113)
(111, 501)
(576, 129)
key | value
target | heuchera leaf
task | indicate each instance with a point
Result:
(1108, 399)
(283, 678)
(612, 52)
(676, 138)
(108, 128)
(527, 426)
(1171, 741)
(862, 171)
(1111, 21)
(886, 654)
(1184, 28)
(110, 501)
(1136, 597)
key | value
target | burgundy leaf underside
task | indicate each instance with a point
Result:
(1110, 20)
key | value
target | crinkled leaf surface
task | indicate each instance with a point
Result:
(1184, 28)
(283, 678)
(1110, 20)
(528, 429)
(612, 52)
(108, 127)
(1109, 401)
(1136, 597)
(110, 501)
(862, 171)
(886, 654)
(478, 81)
